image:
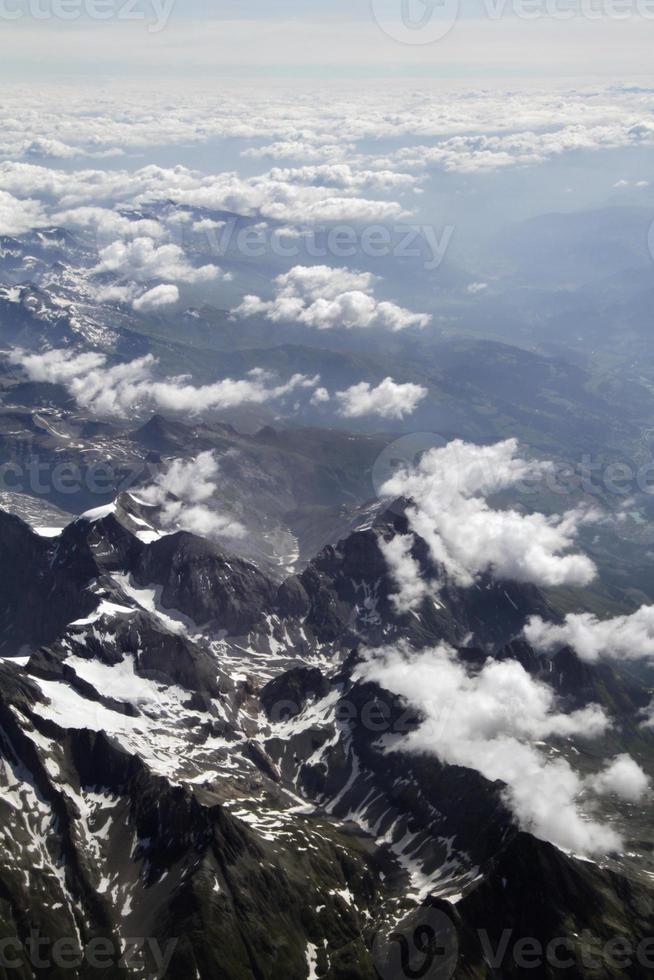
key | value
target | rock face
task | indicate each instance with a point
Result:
(190, 755)
(201, 581)
(40, 592)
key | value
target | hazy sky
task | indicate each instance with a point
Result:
(199, 38)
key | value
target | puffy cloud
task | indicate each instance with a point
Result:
(466, 537)
(647, 718)
(625, 778)
(19, 216)
(279, 199)
(157, 298)
(125, 293)
(42, 146)
(320, 396)
(323, 297)
(491, 720)
(131, 389)
(324, 123)
(182, 493)
(620, 638)
(301, 150)
(388, 399)
(482, 152)
(142, 259)
(107, 225)
(265, 196)
(208, 225)
(405, 571)
(344, 175)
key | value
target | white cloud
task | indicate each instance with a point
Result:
(523, 123)
(301, 149)
(491, 720)
(19, 216)
(320, 396)
(183, 491)
(625, 778)
(108, 225)
(130, 388)
(125, 293)
(344, 175)
(157, 298)
(405, 571)
(467, 537)
(208, 224)
(143, 260)
(322, 297)
(387, 400)
(620, 638)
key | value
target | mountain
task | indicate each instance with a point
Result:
(195, 758)
(202, 741)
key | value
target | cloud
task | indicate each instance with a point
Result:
(621, 638)
(131, 389)
(647, 718)
(405, 572)
(301, 150)
(344, 175)
(388, 399)
(322, 297)
(143, 260)
(453, 129)
(491, 720)
(182, 493)
(320, 396)
(265, 195)
(19, 216)
(208, 225)
(42, 146)
(157, 298)
(125, 293)
(625, 778)
(466, 537)
(108, 225)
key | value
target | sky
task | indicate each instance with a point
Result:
(190, 40)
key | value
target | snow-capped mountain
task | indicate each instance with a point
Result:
(189, 749)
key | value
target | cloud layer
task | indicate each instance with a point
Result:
(467, 537)
(130, 388)
(388, 400)
(492, 720)
(326, 298)
(621, 638)
(182, 493)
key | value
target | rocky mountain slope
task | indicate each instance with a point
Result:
(189, 753)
